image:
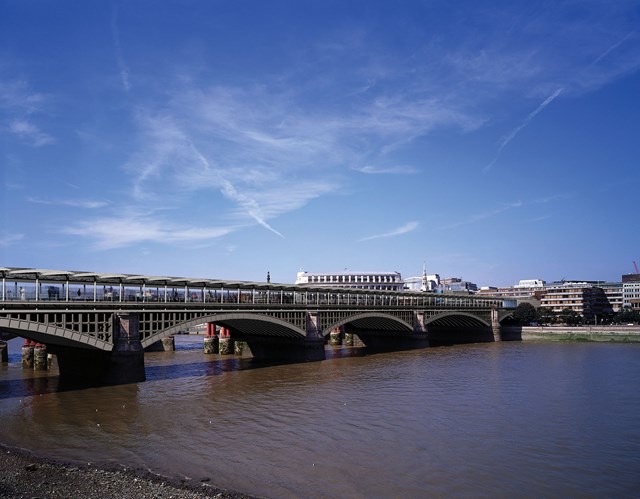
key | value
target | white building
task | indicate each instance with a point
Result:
(631, 291)
(386, 281)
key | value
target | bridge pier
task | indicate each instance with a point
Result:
(124, 364)
(40, 358)
(167, 344)
(211, 340)
(495, 325)
(225, 342)
(27, 354)
(4, 352)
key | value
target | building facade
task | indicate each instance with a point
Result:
(631, 291)
(385, 281)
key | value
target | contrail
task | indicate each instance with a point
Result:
(124, 71)
(516, 130)
(229, 190)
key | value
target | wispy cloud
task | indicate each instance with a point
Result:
(404, 229)
(10, 239)
(74, 203)
(122, 67)
(31, 133)
(517, 129)
(117, 232)
(484, 215)
(386, 170)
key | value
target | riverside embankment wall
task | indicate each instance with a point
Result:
(623, 334)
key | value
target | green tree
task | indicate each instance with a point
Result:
(627, 316)
(569, 316)
(525, 313)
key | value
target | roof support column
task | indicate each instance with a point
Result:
(4, 287)
(95, 290)
(37, 289)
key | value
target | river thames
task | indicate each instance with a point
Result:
(494, 420)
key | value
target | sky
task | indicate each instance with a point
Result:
(488, 140)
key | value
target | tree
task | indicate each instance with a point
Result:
(627, 316)
(525, 313)
(570, 316)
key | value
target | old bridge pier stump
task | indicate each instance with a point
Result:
(27, 354)
(225, 342)
(40, 359)
(211, 341)
(335, 336)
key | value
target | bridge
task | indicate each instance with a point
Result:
(99, 324)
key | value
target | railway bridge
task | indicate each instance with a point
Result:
(99, 324)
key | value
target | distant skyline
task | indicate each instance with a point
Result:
(493, 141)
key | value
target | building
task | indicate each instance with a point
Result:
(631, 291)
(385, 281)
(583, 298)
(456, 284)
(613, 294)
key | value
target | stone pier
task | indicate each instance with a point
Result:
(27, 354)
(225, 343)
(40, 359)
(4, 352)
(211, 340)
(167, 344)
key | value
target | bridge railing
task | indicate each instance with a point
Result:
(27, 286)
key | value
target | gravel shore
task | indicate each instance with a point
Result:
(22, 475)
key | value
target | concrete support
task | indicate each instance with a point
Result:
(4, 352)
(40, 361)
(495, 325)
(124, 364)
(211, 344)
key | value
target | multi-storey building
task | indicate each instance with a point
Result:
(631, 291)
(583, 298)
(387, 281)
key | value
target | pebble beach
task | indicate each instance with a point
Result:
(24, 475)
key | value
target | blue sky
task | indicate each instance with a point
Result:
(493, 141)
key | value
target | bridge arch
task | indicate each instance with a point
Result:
(372, 321)
(456, 319)
(244, 323)
(54, 335)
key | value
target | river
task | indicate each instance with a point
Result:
(484, 420)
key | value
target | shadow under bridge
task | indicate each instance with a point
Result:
(269, 336)
(456, 327)
(380, 331)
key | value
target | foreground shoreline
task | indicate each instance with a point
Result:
(25, 475)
